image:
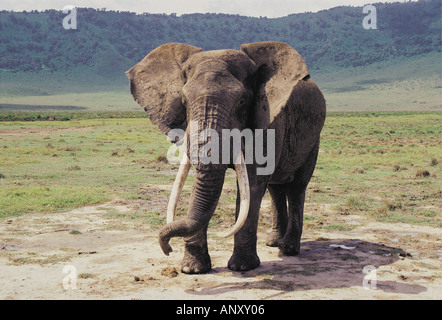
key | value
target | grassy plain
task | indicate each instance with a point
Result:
(384, 166)
(400, 84)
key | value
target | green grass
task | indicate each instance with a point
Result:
(338, 227)
(368, 165)
(58, 115)
(57, 165)
(15, 200)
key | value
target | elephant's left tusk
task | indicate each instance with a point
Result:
(244, 193)
(181, 176)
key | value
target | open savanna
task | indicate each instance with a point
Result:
(384, 166)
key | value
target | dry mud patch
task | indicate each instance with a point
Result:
(120, 259)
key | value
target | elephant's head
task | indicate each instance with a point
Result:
(178, 84)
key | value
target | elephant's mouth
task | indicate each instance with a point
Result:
(244, 191)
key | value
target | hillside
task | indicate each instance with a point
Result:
(35, 49)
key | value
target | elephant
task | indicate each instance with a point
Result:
(264, 85)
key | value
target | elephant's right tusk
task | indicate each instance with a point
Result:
(181, 176)
(244, 193)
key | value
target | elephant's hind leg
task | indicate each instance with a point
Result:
(295, 191)
(291, 242)
(279, 214)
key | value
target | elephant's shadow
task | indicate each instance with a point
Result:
(321, 264)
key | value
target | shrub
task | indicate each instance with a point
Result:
(389, 205)
(356, 203)
(161, 158)
(422, 174)
(358, 170)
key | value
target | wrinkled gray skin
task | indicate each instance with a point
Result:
(264, 85)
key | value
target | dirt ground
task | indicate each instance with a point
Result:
(88, 253)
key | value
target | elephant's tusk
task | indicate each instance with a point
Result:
(244, 193)
(181, 176)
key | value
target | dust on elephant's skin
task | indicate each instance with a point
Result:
(264, 86)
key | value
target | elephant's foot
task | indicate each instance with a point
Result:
(196, 260)
(289, 247)
(273, 238)
(243, 261)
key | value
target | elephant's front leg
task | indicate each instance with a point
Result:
(196, 254)
(244, 255)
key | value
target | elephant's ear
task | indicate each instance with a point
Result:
(280, 68)
(156, 83)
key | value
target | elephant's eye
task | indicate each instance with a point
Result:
(241, 103)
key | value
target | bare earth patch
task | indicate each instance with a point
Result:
(120, 259)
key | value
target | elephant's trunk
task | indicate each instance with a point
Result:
(206, 191)
(207, 187)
